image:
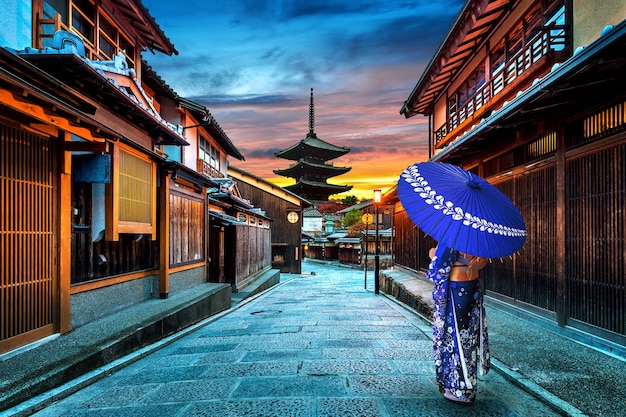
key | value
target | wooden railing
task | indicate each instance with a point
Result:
(537, 49)
(206, 169)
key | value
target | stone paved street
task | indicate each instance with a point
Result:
(315, 345)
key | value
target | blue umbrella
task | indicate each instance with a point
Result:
(461, 210)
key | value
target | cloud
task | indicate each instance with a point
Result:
(253, 62)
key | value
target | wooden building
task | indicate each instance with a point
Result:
(349, 250)
(530, 95)
(207, 158)
(284, 209)
(240, 236)
(104, 170)
(79, 165)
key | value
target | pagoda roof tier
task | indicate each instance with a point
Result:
(315, 190)
(312, 147)
(305, 168)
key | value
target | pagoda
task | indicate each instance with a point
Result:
(311, 171)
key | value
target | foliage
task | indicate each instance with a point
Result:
(330, 207)
(349, 200)
(351, 217)
(356, 229)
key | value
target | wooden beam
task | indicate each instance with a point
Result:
(98, 147)
(164, 235)
(65, 234)
(562, 306)
(112, 197)
(38, 112)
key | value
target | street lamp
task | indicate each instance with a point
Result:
(377, 256)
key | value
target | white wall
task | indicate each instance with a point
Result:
(16, 23)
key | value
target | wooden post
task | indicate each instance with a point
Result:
(562, 306)
(64, 249)
(164, 235)
(112, 197)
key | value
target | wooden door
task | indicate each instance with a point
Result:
(28, 206)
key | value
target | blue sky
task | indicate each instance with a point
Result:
(253, 63)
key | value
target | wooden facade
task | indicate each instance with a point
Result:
(240, 235)
(285, 211)
(101, 186)
(559, 158)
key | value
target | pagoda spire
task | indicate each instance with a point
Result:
(311, 115)
(311, 170)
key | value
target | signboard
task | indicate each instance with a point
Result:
(367, 218)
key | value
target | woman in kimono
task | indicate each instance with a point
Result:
(460, 340)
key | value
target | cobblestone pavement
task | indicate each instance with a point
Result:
(314, 345)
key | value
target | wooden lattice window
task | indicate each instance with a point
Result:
(605, 121)
(102, 38)
(131, 195)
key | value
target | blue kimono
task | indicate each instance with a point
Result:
(460, 339)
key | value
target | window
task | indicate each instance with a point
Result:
(497, 59)
(209, 154)
(107, 37)
(135, 189)
(83, 19)
(111, 41)
(102, 38)
(468, 97)
(452, 108)
(131, 195)
(555, 19)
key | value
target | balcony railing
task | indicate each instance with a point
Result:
(545, 44)
(206, 169)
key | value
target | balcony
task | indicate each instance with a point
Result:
(206, 169)
(545, 49)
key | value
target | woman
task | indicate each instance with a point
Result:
(459, 325)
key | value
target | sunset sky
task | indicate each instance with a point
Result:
(253, 63)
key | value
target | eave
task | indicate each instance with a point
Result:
(313, 186)
(260, 183)
(207, 121)
(77, 73)
(136, 19)
(314, 147)
(473, 25)
(188, 174)
(303, 167)
(37, 99)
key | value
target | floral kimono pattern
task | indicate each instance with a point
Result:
(460, 340)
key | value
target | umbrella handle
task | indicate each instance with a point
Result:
(477, 263)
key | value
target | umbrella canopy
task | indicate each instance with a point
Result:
(461, 210)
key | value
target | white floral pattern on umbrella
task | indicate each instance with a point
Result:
(493, 225)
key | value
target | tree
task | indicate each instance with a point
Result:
(349, 200)
(351, 217)
(331, 206)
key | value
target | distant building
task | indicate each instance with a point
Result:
(312, 221)
(284, 209)
(311, 171)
